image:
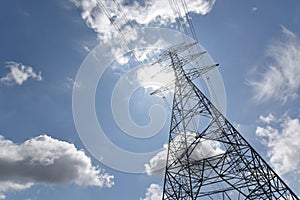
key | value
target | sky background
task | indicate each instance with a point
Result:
(42, 46)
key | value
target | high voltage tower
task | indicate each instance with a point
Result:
(235, 171)
(231, 169)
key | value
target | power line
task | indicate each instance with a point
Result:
(185, 15)
(189, 20)
(117, 26)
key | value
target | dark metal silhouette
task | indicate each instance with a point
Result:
(207, 157)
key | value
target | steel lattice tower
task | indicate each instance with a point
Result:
(232, 169)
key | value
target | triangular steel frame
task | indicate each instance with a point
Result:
(232, 169)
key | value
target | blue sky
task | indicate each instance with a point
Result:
(43, 45)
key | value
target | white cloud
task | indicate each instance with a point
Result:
(19, 73)
(44, 160)
(142, 13)
(158, 162)
(71, 83)
(268, 119)
(203, 149)
(154, 192)
(118, 52)
(281, 80)
(156, 77)
(283, 143)
(86, 48)
(254, 8)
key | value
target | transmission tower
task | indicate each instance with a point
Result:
(210, 161)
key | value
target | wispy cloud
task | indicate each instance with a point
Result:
(86, 48)
(71, 83)
(154, 192)
(281, 80)
(154, 12)
(254, 9)
(19, 73)
(44, 160)
(282, 139)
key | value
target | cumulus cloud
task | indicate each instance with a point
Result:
(157, 163)
(44, 160)
(268, 119)
(281, 80)
(19, 73)
(202, 149)
(154, 192)
(154, 12)
(282, 140)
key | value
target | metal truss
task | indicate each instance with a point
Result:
(207, 157)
